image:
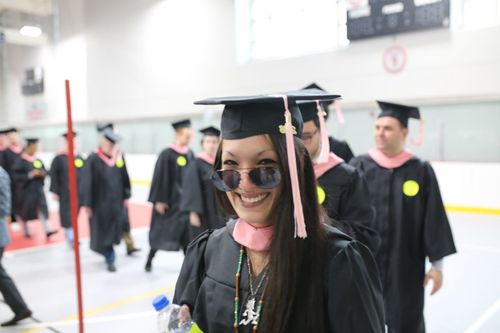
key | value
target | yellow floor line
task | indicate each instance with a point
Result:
(472, 210)
(108, 307)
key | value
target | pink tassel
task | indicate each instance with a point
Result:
(421, 135)
(325, 143)
(300, 226)
(338, 112)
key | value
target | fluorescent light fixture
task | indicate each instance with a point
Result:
(30, 31)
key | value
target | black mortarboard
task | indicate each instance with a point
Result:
(212, 131)
(398, 111)
(110, 135)
(323, 104)
(66, 134)
(11, 130)
(30, 141)
(181, 124)
(246, 116)
(309, 110)
(103, 126)
(4, 131)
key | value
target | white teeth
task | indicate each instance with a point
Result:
(253, 200)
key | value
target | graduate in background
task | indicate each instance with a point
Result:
(59, 185)
(126, 235)
(198, 191)
(3, 144)
(9, 158)
(341, 190)
(168, 229)
(29, 178)
(338, 147)
(410, 219)
(105, 191)
(8, 288)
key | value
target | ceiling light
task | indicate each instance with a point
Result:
(30, 31)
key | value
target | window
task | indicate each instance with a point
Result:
(475, 14)
(274, 29)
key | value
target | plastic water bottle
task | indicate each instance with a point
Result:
(168, 317)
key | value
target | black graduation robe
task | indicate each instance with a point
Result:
(169, 231)
(29, 189)
(104, 188)
(413, 225)
(59, 184)
(198, 195)
(347, 200)
(352, 290)
(341, 149)
(9, 159)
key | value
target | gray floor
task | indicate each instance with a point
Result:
(121, 302)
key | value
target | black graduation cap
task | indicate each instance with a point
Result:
(110, 135)
(66, 134)
(103, 126)
(11, 130)
(30, 141)
(309, 109)
(4, 131)
(324, 104)
(398, 111)
(181, 124)
(245, 116)
(210, 131)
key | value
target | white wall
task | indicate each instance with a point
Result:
(462, 184)
(139, 58)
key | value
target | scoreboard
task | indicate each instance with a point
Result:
(372, 18)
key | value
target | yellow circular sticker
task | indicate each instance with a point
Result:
(321, 194)
(411, 188)
(120, 163)
(182, 161)
(37, 164)
(79, 163)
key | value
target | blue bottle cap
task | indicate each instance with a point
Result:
(161, 302)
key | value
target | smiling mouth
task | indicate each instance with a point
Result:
(253, 200)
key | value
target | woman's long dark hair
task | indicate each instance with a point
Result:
(294, 300)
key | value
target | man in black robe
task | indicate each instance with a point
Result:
(105, 190)
(410, 219)
(338, 147)
(59, 185)
(341, 190)
(168, 229)
(29, 178)
(9, 157)
(198, 191)
(126, 234)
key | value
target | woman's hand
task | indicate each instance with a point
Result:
(184, 314)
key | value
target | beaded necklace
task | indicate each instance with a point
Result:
(237, 296)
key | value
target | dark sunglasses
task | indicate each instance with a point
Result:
(263, 177)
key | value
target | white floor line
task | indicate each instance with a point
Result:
(467, 246)
(100, 319)
(484, 318)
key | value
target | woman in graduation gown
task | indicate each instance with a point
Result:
(278, 267)
(59, 186)
(198, 191)
(29, 177)
(341, 190)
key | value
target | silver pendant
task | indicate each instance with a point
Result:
(250, 315)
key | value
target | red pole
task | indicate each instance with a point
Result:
(74, 206)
